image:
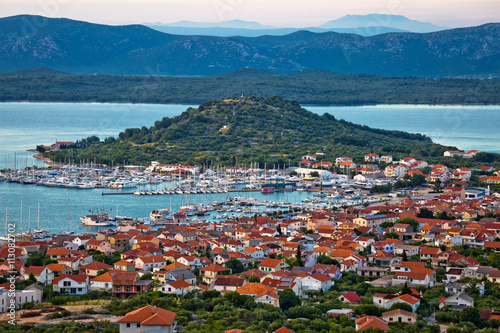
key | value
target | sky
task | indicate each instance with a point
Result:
(284, 13)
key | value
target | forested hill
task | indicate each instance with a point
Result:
(81, 47)
(306, 87)
(249, 129)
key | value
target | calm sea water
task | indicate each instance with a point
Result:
(24, 125)
(60, 208)
(465, 127)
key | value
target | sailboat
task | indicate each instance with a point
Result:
(5, 238)
(39, 233)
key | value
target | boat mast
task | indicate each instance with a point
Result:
(29, 218)
(38, 224)
(68, 218)
(21, 216)
(6, 213)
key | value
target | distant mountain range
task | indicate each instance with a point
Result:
(81, 47)
(381, 20)
(364, 25)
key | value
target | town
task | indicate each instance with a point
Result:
(423, 257)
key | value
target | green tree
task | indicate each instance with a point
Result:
(387, 224)
(392, 235)
(235, 265)
(288, 299)
(32, 279)
(471, 314)
(425, 214)
(326, 260)
(402, 306)
(299, 257)
(410, 221)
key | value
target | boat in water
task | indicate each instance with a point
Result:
(161, 214)
(100, 219)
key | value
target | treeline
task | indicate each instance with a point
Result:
(307, 87)
(244, 130)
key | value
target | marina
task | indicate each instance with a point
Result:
(66, 208)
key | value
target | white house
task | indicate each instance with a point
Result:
(317, 282)
(394, 170)
(254, 252)
(32, 293)
(457, 302)
(147, 264)
(71, 284)
(42, 274)
(179, 287)
(102, 282)
(372, 157)
(190, 261)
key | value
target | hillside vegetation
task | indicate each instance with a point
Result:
(306, 87)
(244, 130)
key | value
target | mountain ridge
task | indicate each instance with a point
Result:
(387, 20)
(82, 47)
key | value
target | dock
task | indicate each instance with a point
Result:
(115, 193)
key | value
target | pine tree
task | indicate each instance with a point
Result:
(299, 257)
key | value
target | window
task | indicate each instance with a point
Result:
(128, 324)
(66, 283)
(138, 325)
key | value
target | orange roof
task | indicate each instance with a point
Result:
(407, 298)
(96, 265)
(58, 251)
(106, 277)
(283, 330)
(149, 316)
(56, 267)
(413, 264)
(179, 284)
(268, 262)
(371, 322)
(214, 268)
(152, 259)
(34, 270)
(341, 253)
(399, 311)
(176, 265)
(123, 263)
(255, 289)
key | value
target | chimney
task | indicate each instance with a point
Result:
(154, 309)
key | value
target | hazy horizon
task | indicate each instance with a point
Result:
(292, 13)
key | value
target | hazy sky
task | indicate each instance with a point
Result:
(292, 13)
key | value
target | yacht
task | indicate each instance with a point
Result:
(160, 214)
(97, 220)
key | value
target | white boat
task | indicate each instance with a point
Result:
(160, 214)
(97, 220)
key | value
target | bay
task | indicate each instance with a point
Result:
(465, 127)
(25, 125)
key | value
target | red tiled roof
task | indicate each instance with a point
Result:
(149, 316)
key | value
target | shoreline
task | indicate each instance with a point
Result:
(40, 156)
(302, 105)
